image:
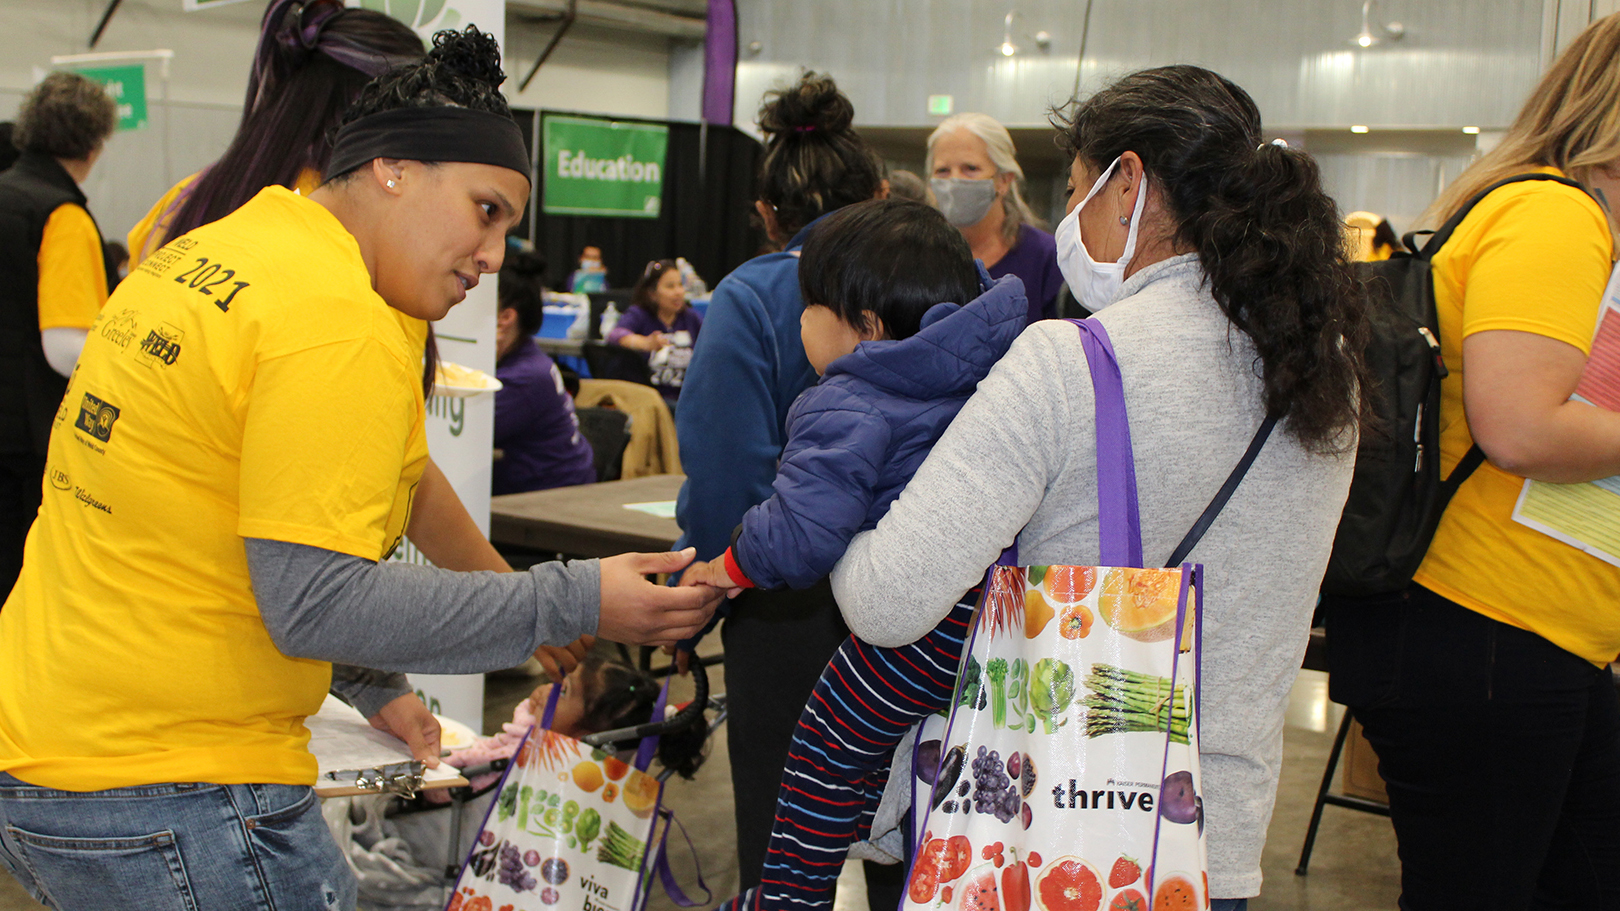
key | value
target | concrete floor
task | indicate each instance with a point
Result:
(1353, 867)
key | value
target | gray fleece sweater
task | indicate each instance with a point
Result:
(1020, 461)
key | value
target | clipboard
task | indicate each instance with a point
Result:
(355, 758)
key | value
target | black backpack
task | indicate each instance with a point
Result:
(1397, 495)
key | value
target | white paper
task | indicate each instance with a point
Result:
(342, 741)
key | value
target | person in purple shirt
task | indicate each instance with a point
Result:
(536, 429)
(661, 323)
(975, 177)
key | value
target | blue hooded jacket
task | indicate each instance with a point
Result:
(856, 437)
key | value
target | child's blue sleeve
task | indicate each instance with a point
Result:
(823, 491)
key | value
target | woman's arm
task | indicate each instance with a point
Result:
(1516, 389)
(443, 530)
(969, 500)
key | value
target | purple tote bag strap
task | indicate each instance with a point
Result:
(1119, 520)
(551, 706)
(649, 745)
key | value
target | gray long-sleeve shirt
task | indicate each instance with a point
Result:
(1020, 461)
(397, 617)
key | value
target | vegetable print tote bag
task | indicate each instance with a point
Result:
(1066, 775)
(568, 830)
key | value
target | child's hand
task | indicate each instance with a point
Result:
(711, 573)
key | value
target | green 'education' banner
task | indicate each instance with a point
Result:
(602, 167)
(127, 86)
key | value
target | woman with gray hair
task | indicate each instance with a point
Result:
(975, 177)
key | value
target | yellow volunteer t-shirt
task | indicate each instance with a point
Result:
(244, 381)
(1531, 257)
(152, 231)
(72, 270)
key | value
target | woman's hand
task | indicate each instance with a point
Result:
(638, 612)
(409, 720)
(648, 343)
(560, 661)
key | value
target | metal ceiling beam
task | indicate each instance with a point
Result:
(639, 18)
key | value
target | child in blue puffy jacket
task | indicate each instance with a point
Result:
(896, 364)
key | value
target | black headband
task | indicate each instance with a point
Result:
(430, 134)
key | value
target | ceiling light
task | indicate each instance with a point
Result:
(1472, 131)
(1008, 49)
(1358, 128)
(1368, 37)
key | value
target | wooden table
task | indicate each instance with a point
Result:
(588, 520)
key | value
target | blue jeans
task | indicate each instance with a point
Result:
(1229, 904)
(173, 846)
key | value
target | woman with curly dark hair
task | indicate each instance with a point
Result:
(1215, 262)
(239, 453)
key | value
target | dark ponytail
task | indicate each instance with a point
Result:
(814, 160)
(1270, 240)
(312, 60)
(618, 696)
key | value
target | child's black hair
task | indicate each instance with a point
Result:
(891, 258)
(617, 696)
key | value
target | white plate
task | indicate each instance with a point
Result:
(453, 735)
(485, 382)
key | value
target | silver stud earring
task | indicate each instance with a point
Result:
(390, 185)
(1124, 220)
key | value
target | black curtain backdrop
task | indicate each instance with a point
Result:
(705, 215)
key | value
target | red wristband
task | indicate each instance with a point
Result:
(738, 577)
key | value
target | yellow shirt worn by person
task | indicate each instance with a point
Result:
(1531, 257)
(72, 270)
(244, 381)
(152, 231)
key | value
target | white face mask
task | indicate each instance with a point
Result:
(1095, 285)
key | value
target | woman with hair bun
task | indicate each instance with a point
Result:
(747, 370)
(975, 177)
(313, 58)
(1217, 265)
(238, 462)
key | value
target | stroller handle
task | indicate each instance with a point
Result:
(686, 717)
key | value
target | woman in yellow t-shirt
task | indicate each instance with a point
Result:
(312, 59)
(239, 452)
(1484, 687)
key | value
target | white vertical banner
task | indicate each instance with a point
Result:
(460, 431)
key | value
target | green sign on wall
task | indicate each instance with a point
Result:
(602, 167)
(127, 86)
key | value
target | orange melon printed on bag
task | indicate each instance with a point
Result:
(1140, 603)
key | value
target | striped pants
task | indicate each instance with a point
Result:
(866, 700)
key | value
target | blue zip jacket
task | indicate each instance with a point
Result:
(856, 438)
(746, 370)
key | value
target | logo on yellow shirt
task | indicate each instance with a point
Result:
(96, 418)
(120, 329)
(59, 479)
(162, 345)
